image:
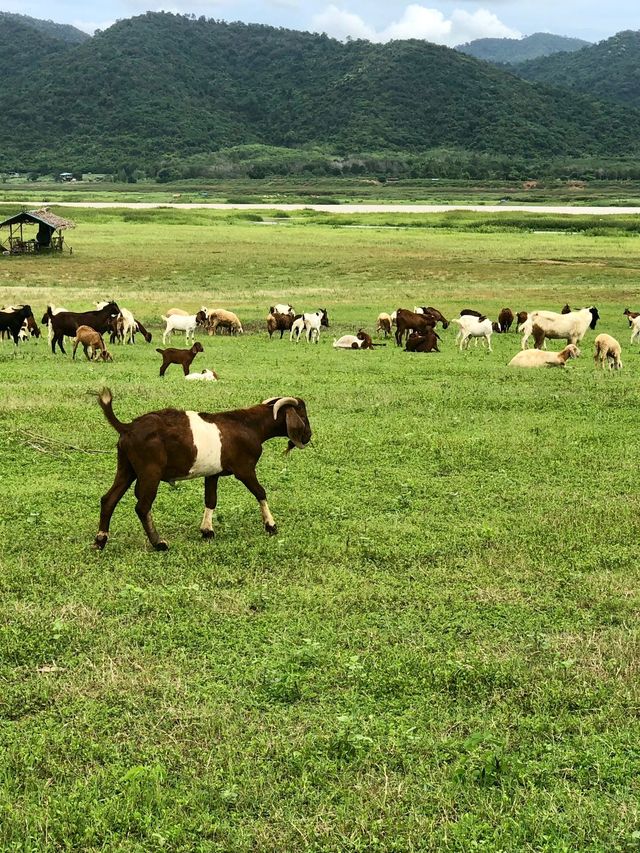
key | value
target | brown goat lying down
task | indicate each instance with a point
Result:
(172, 445)
(179, 356)
(423, 341)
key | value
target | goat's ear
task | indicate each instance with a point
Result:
(295, 427)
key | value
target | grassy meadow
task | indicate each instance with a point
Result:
(441, 648)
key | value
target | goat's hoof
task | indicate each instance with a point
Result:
(208, 534)
(161, 546)
(100, 541)
(271, 529)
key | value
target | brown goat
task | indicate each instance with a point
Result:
(172, 444)
(566, 309)
(279, 323)
(406, 320)
(505, 319)
(521, 317)
(179, 356)
(423, 341)
(630, 315)
(88, 337)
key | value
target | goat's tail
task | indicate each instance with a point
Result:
(105, 398)
(159, 350)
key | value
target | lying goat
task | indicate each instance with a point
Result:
(423, 341)
(205, 376)
(172, 445)
(541, 358)
(360, 341)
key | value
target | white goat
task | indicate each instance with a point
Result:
(473, 327)
(205, 376)
(571, 327)
(635, 329)
(182, 324)
(281, 308)
(540, 358)
(126, 324)
(310, 323)
(607, 349)
(348, 342)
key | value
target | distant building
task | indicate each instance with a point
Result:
(66, 176)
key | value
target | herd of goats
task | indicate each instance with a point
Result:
(416, 329)
(171, 445)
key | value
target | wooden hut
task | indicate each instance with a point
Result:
(48, 238)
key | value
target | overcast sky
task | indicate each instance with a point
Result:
(444, 21)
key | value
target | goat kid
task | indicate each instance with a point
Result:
(179, 356)
(171, 444)
(540, 358)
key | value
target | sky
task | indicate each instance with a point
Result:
(447, 22)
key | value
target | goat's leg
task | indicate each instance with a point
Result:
(125, 475)
(210, 501)
(251, 482)
(75, 347)
(163, 368)
(146, 491)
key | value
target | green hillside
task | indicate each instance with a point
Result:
(160, 84)
(58, 32)
(513, 51)
(609, 70)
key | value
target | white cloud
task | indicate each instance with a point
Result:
(417, 22)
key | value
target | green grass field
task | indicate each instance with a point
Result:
(439, 651)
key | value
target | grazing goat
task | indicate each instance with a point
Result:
(205, 376)
(384, 324)
(179, 356)
(407, 321)
(176, 312)
(180, 323)
(91, 340)
(13, 321)
(279, 323)
(473, 327)
(505, 319)
(219, 318)
(607, 349)
(171, 445)
(140, 328)
(566, 309)
(521, 319)
(630, 315)
(438, 316)
(571, 327)
(310, 323)
(423, 341)
(65, 323)
(540, 358)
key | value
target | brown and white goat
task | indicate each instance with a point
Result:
(172, 444)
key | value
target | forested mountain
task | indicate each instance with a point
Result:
(58, 32)
(161, 83)
(609, 70)
(512, 51)
(25, 47)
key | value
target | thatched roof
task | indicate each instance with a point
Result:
(41, 216)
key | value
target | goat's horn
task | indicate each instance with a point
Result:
(284, 401)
